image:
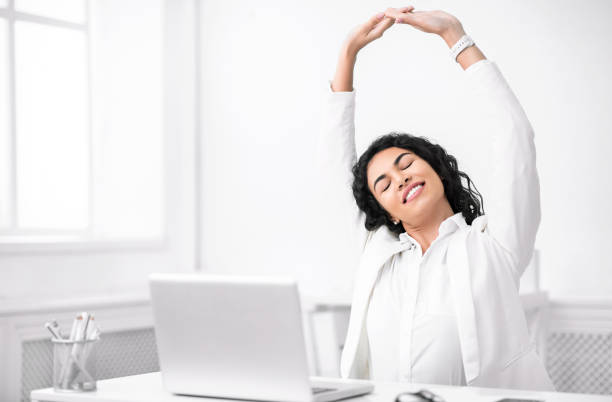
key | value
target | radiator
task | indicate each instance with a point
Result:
(580, 362)
(579, 346)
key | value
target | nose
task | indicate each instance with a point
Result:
(403, 181)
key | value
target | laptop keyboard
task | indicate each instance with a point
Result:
(318, 390)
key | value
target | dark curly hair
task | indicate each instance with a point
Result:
(466, 200)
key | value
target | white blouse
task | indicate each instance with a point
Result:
(411, 323)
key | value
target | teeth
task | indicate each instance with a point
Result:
(414, 190)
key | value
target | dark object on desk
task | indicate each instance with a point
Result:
(422, 395)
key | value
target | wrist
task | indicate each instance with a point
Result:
(349, 53)
(452, 35)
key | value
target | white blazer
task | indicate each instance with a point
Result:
(485, 259)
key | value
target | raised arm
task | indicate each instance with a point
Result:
(357, 39)
(513, 206)
(336, 153)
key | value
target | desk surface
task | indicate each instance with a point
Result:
(148, 387)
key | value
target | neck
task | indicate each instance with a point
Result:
(427, 232)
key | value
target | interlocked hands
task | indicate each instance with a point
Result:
(436, 21)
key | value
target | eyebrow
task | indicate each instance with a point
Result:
(382, 176)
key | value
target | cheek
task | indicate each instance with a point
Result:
(434, 182)
(383, 200)
(437, 185)
(387, 202)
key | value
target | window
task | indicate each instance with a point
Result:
(81, 156)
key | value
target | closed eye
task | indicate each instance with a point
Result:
(408, 166)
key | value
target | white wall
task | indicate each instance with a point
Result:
(104, 269)
(265, 67)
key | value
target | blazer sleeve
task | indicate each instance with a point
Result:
(336, 155)
(513, 206)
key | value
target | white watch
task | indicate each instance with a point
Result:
(464, 42)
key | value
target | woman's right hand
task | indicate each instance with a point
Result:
(369, 31)
(356, 40)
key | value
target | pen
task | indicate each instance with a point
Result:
(53, 330)
(82, 330)
(67, 368)
(91, 329)
(55, 325)
(91, 334)
(75, 326)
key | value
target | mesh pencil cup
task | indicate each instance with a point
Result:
(74, 365)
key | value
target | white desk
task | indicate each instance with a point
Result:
(148, 387)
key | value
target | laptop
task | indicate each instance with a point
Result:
(237, 337)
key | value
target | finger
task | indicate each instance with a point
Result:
(393, 12)
(374, 20)
(398, 12)
(379, 29)
(406, 18)
(406, 9)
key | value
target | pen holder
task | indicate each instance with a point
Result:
(74, 365)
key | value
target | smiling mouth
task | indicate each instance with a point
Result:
(414, 192)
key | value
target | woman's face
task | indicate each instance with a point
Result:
(405, 185)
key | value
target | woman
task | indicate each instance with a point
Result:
(436, 293)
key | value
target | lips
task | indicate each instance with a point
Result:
(407, 191)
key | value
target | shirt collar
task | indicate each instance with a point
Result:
(449, 225)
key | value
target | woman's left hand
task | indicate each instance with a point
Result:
(440, 23)
(435, 21)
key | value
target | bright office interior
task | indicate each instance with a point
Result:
(141, 136)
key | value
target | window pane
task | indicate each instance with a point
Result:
(5, 164)
(52, 127)
(67, 10)
(127, 115)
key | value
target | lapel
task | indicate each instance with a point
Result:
(382, 245)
